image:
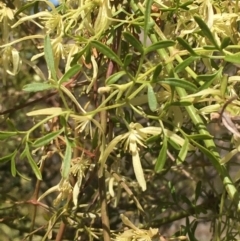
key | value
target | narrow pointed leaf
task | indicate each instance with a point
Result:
(78, 55)
(36, 87)
(209, 47)
(162, 157)
(206, 31)
(159, 45)
(48, 53)
(67, 160)
(33, 164)
(173, 82)
(224, 84)
(152, 100)
(47, 111)
(233, 58)
(186, 46)
(127, 60)
(6, 158)
(225, 42)
(115, 77)
(147, 19)
(44, 140)
(182, 66)
(156, 73)
(133, 41)
(208, 79)
(6, 134)
(13, 164)
(183, 152)
(105, 50)
(24, 7)
(200, 137)
(70, 73)
(185, 5)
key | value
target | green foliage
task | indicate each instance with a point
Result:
(114, 99)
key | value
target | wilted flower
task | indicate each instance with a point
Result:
(78, 166)
(64, 188)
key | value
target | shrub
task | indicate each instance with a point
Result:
(109, 104)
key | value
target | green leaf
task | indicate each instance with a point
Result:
(24, 7)
(115, 77)
(233, 58)
(152, 100)
(23, 154)
(35, 87)
(156, 73)
(13, 164)
(225, 42)
(185, 5)
(133, 41)
(206, 31)
(106, 51)
(182, 66)
(153, 139)
(209, 47)
(127, 60)
(198, 190)
(179, 103)
(174, 82)
(183, 152)
(223, 84)
(67, 160)
(200, 137)
(10, 125)
(208, 79)
(186, 46)
(147, 20)
(6, 134)
(162, 157)
(70, 73)
(184, 199)
(167, 9)
(78, 55)
(95, 139)
(159, 45)
(174, 144)
(48, 53)
(44, 140)
(32, 163)
(6, 158)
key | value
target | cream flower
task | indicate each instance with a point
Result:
(136, 136)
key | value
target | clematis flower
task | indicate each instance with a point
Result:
(135, 137)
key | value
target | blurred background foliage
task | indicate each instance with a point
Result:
(119, 120)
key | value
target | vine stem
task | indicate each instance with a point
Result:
(101, 176)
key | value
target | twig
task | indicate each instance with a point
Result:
(35, 198)
(129, 191)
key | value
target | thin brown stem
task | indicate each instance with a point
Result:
(35, 198)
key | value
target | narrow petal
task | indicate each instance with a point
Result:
(138, 171)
